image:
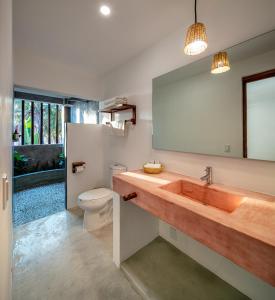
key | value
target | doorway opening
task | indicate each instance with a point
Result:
(258, 116)
(39, 173)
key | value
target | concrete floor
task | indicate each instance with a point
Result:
(161, 272)
(54, 258)
(39, 202)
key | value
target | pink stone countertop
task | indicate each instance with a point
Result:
(246, 235)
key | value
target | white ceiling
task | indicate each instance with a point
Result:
(73, 30)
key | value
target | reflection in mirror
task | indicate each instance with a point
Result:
(259, 113)
(199, 112)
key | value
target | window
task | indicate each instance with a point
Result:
(85, 112)
(17, 116)
(45, 120)
(27, 122)
(53, 123)
(38, 122)
(60, 128)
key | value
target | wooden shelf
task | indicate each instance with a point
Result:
(118, 108)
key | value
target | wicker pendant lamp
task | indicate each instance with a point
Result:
(220, 63)
(196, 39)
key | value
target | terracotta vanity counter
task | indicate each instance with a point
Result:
(245, 235)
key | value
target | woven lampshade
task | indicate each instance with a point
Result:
(196, 39)
(220, 63)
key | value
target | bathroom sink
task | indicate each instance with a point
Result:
(205, 194)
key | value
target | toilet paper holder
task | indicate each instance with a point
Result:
(78, 166)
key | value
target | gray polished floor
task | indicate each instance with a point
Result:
(54, 258)
(162, 272)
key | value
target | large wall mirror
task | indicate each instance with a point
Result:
(231, 114)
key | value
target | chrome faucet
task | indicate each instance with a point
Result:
(208, 176)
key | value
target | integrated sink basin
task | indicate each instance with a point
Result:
(233, 222)
(205, 194)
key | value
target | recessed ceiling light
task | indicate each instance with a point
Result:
(105, 10)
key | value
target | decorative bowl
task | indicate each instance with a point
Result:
(153, 170)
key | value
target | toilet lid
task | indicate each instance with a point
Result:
(96, 194)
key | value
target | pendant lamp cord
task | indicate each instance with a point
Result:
(195, 8)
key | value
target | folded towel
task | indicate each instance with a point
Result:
(118, 128)
(114, 102)
(118, 124)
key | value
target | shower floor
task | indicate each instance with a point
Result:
(39, 202)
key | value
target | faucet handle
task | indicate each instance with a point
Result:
(208, 176)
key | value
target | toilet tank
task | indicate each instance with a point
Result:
(116, 169)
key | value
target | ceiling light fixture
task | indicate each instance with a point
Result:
(220, 63)
(105, 10)
(196, 38)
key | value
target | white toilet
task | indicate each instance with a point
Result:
(98, 203)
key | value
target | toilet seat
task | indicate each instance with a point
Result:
(95, 199)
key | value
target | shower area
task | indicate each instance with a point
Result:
(39, 151)
(38, 157)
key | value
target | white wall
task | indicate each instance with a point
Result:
(5, 144)
(133, 229)
(86, 143)
(134, 79)
(35, 71)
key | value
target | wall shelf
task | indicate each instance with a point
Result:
(122, 107)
